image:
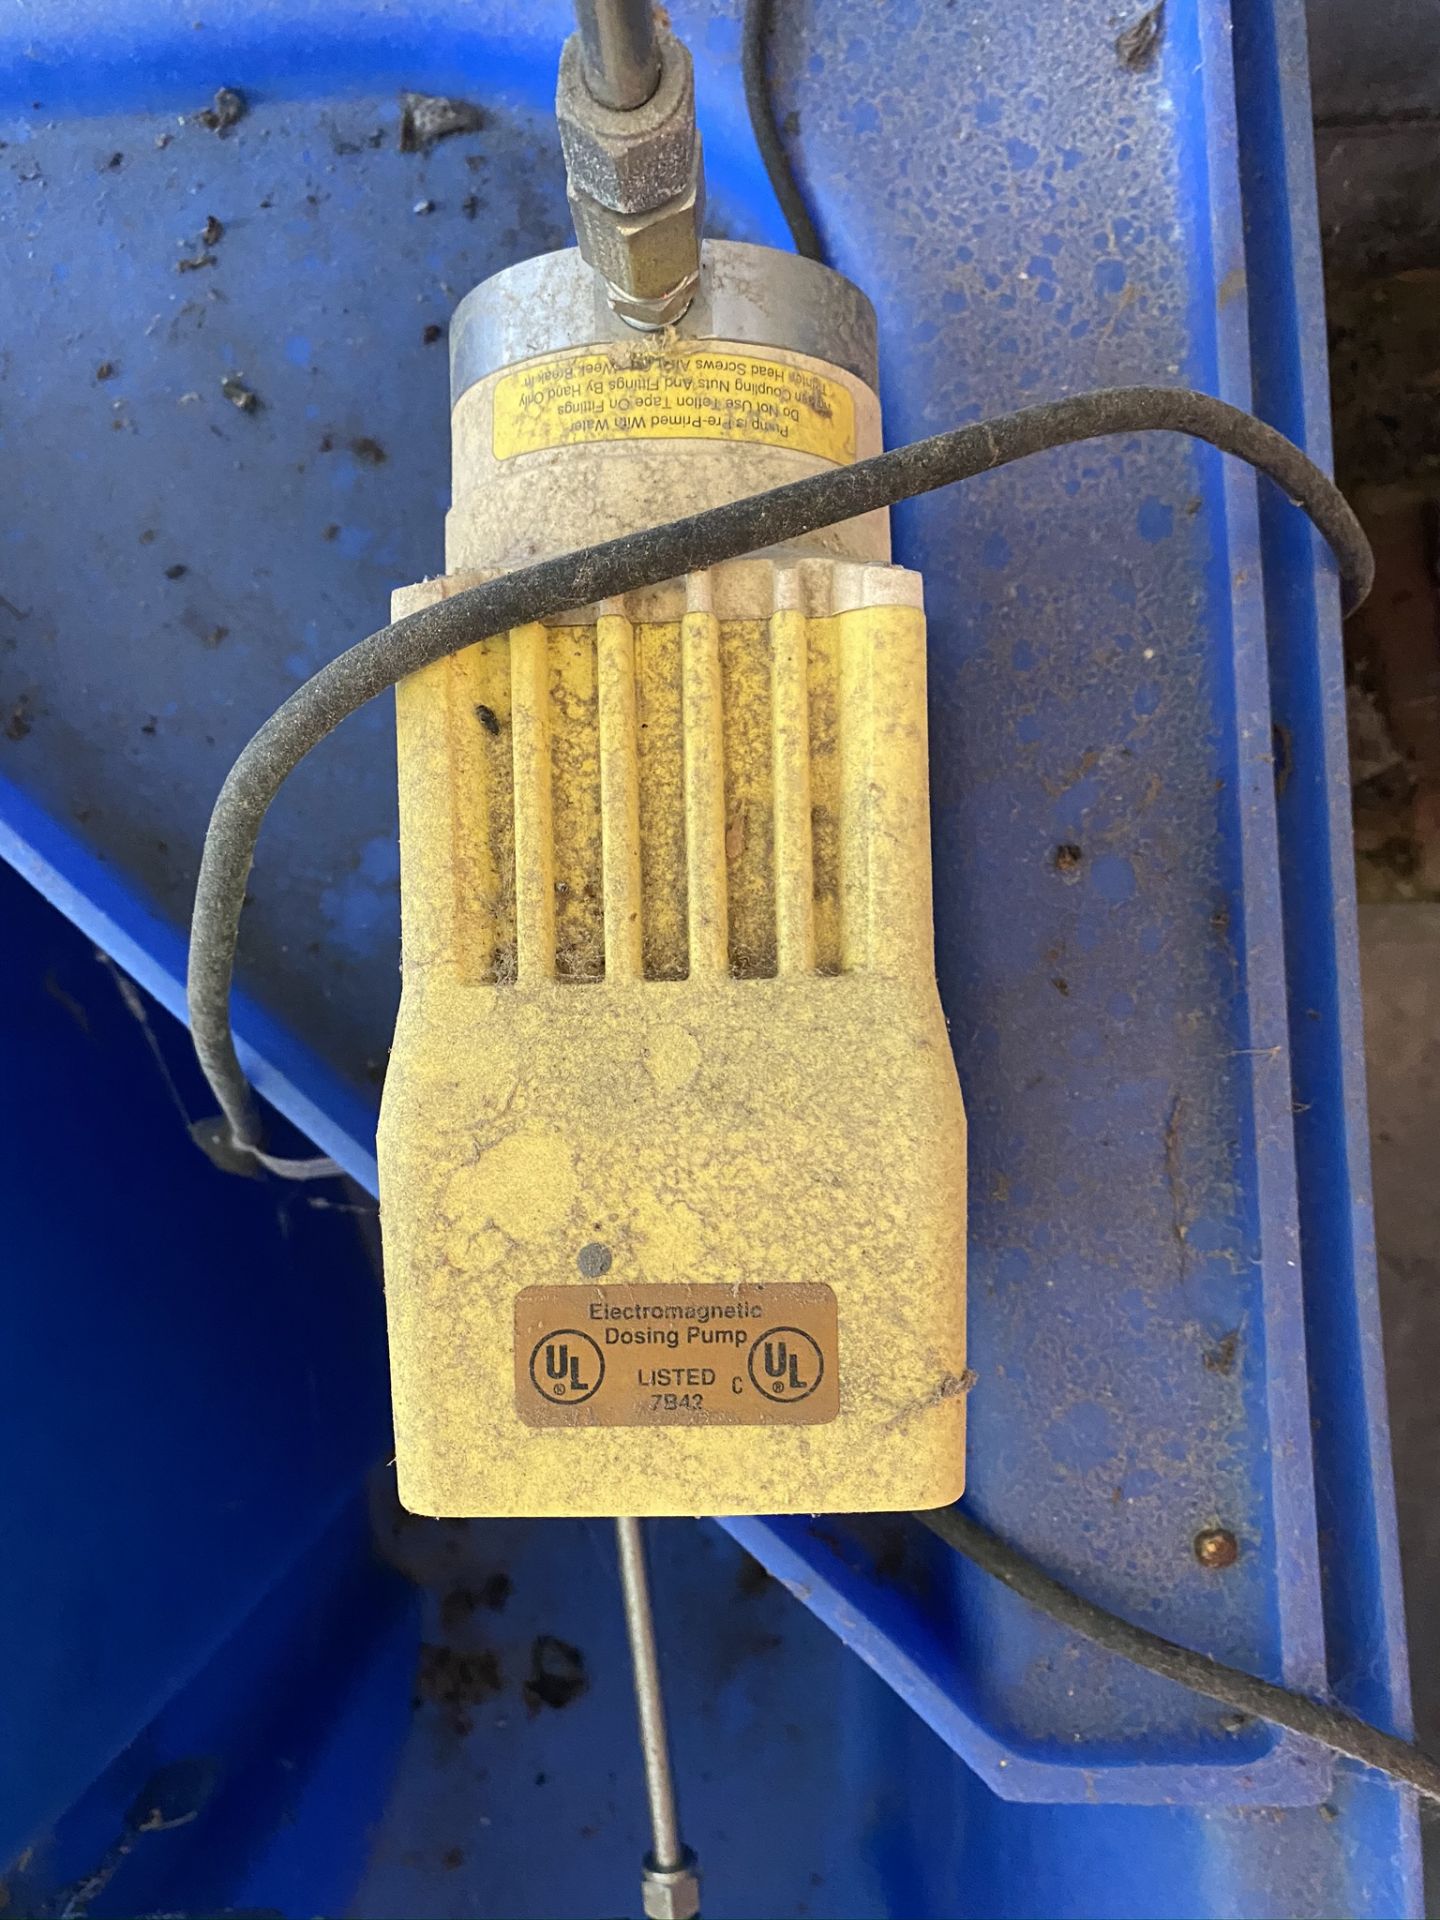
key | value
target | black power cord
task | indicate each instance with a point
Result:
(1329, 1726)
(754, 50)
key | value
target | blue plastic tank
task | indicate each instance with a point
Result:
(233, 1676)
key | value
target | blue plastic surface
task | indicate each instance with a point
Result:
(196, 1374)
(1109, 629)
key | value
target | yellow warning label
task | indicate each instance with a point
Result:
(691, 392)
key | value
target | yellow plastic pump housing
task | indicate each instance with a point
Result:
(672, 1153)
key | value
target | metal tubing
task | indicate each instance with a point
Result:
(668, 1850)
(622, 62)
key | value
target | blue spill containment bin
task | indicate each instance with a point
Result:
(215, 1617)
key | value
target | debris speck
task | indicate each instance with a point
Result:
(150, 725)
(193, 262)
(211, 231)
(460, 1603)
(423, 206)
(470, 205)
(341, 145)
(488, 719)
(456, 1681)
(735, 836)
(433, 333)
(456, 1609)
(495, 1590)
(106, 370)
(177, 572)
(1221, 1357)
(1067, 858)
(19, 722)
(227, 110)
(1282, 747)
(557, 1674)
(426, 118)
(177, 1792)
(114, 163)
(368, 450)
(216, 635)
(238, 394)
(162, 140)
(1135, 47)
(332, 532)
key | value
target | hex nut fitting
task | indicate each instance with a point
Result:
(650, 261)
(630, 160)
(671, 1893)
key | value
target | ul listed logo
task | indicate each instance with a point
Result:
(786, 1364)
(566, 1367)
